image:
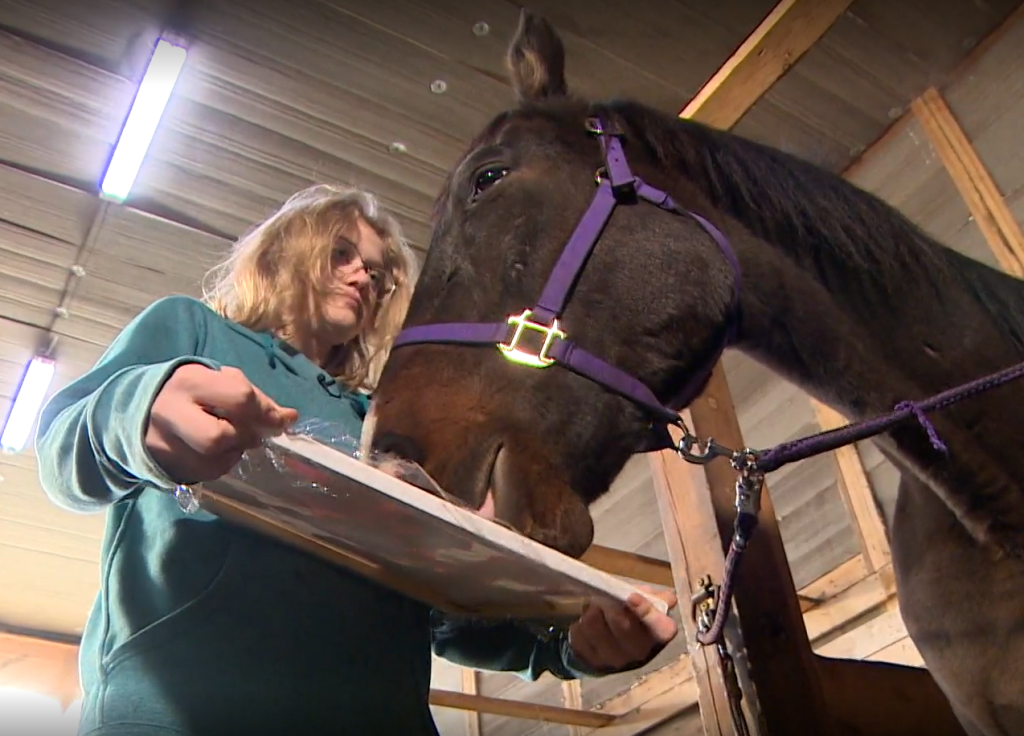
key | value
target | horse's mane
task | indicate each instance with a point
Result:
(820, 218)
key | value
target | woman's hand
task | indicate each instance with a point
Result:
(203, 420)
(610, 637)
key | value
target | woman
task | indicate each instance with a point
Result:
(201, 628)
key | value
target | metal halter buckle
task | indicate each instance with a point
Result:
(522, 322)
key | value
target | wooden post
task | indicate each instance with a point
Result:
(471, 686)
(768, 641)
(695, 550)
(783, 691)
(572, 698)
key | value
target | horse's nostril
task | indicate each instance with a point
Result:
(392, 443)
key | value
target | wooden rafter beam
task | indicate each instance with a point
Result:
(963, 69)
(855, 489)
(572, 697)
(520, 709)
(629, 565)
(785, 35)
(973, 181)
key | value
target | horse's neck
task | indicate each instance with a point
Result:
(864, 351)
(860, 344)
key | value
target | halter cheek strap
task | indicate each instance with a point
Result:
(616, 185)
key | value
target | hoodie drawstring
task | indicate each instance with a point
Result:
(327, 383)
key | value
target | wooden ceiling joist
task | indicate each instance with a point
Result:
(629, 565)
(855, 488)
(973, 180)
(786, 33)
(471, 686)
(520, 709)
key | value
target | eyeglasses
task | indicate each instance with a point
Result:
(347, 255)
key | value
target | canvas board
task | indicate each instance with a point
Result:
(308, 494)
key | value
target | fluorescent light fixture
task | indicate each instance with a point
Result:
(140, 126)
(27, 403)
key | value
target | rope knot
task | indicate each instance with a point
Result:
(923, 420)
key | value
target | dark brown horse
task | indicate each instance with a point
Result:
(836, 291)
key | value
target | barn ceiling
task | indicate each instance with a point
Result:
(384, 94)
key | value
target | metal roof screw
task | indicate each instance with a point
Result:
(438, 86)
(481, 29)
(62, 312)
(78, 270)
(397, 147)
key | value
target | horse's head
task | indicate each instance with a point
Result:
(472, 395)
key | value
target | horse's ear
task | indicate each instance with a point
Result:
(536, 60)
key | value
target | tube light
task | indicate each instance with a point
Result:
(140, 126)
(27, 403)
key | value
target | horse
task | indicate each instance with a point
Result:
(611, 252)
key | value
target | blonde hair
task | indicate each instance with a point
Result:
(274, 278)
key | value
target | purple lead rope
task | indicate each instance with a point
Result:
(801, 449)
(790, 452)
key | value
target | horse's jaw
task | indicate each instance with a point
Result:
(533, 499)
(507, 480)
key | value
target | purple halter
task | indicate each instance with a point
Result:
(616, 186)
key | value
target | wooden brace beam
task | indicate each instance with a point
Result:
(855, 488)
(973, 180)
(629, 565)
(520, 709)
(785, 35)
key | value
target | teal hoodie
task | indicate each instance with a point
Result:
(202, 628)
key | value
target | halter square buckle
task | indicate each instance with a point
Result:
(523, 322)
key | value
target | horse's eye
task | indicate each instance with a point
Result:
(488, 178)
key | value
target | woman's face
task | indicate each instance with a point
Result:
(358, 280)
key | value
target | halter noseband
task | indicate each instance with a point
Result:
(616, 185)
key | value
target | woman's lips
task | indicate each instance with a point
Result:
(350, 297)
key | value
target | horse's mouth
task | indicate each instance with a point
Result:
(500, 490)
(487, 508)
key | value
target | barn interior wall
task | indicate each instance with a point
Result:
(904, 169)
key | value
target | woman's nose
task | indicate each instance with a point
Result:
(359, 276)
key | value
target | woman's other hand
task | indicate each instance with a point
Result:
(611, 637)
